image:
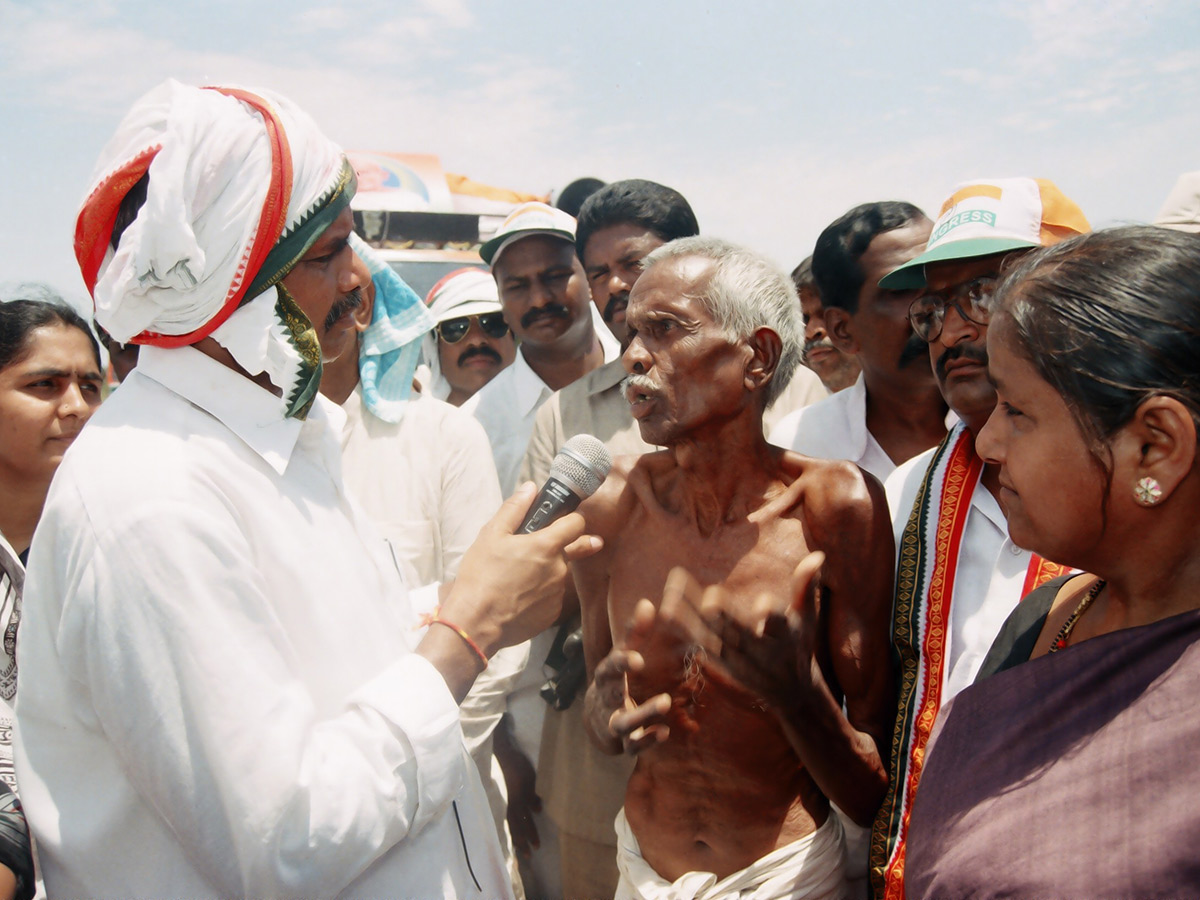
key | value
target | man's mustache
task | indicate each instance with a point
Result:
(344, 304)
(959, 351)
(611, 308)
(641, 383)
(479, 350)
(916, 348)
(817, 344)
(549, 311)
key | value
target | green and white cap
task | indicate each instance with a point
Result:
(993, 216)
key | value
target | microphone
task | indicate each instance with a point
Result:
(576, 473)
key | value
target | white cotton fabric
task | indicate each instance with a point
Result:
(179, 260)
(811, 868)
(835, 428)
(219, 692)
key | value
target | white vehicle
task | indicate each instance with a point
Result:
(424, 221)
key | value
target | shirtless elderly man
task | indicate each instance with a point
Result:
(731, 696)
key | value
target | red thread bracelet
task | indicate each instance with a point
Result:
(435, 618)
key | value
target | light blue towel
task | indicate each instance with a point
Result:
(389, 349)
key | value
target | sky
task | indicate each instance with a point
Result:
(772, 118)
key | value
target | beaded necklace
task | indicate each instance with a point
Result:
(1068, 626)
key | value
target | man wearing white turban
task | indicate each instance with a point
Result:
(226, 693)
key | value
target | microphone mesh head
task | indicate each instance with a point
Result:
(583, 462)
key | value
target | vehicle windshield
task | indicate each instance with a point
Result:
(422, 275)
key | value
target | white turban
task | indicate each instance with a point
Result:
(465, 292)
(240, 184)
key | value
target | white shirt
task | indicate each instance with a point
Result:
(219, 696)
(802, 391)
(835, 428)
(507, 405)
(991, 572)
(427, 482)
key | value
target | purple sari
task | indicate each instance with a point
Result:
(1074, 775)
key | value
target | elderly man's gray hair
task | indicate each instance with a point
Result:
(745, 292)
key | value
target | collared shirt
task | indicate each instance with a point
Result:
(990, 575)
(835, 428)
(507, 405)
(219, 693)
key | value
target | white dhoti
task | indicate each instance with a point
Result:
(811, 868)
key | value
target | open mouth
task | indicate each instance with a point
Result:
(640, 393)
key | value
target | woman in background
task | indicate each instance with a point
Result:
(1069, 768)
(50, 384)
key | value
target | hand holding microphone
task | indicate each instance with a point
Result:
(577, 472)
(510, 582)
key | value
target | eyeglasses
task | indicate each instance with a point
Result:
(973, 300)
(454, 330)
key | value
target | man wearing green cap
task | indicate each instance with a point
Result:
(953, 595)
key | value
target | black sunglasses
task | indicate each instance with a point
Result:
(454, 330)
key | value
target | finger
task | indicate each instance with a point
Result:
(646, 737)
(512, 511)
(624, 722)
(712, 602)
(583, 547)
(640, 624)
(802, 578)
(563, 532)
(680, 608)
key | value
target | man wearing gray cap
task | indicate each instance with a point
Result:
(548, 306)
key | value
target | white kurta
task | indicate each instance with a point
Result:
(427, 482)
(219, 696)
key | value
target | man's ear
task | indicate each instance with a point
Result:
(1159, 442)
(362, 315)
(840, 328)
(766, 348)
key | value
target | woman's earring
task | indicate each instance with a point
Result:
(1148, 491)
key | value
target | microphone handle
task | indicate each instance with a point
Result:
(553, 501)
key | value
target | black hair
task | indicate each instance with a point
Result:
(1110, 319)
(843, 242)
(131, 203)
(802, 275)
(655, 207)
(35, 306)
(571, 199)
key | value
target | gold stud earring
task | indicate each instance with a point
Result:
(1148, 491)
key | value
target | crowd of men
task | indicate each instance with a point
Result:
(279, 638)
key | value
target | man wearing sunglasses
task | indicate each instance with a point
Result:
(471, 343)
(953, 595)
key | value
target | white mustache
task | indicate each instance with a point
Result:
(637, 383)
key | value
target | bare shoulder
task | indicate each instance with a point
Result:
(844, 508)
(630, 482)
(835, 492)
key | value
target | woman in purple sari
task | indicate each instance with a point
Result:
(1069, 769)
